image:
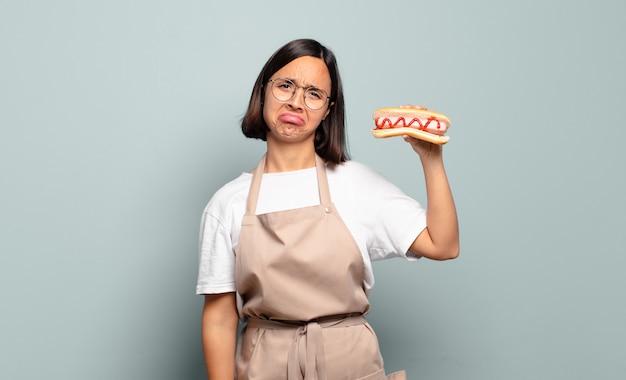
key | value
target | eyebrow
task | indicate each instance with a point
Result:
(306, 85)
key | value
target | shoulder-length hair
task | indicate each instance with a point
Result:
(330, 137)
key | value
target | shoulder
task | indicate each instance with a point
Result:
(355, 182)
(230, 195)
(354, 169)
(362, 179)
(354, 174)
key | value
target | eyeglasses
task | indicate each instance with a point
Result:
(284, 90)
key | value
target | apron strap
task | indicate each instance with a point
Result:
(314, 363)
(314, 357)
(257, 176)
(255, 186)
(322, 181)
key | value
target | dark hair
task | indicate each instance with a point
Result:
(330, 136)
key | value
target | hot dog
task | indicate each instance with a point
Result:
(415, 121)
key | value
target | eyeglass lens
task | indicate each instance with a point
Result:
(284, 89)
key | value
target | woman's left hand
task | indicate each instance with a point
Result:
(423, 148)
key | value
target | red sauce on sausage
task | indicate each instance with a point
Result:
(402, 120)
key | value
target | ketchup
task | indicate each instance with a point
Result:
(421, 127)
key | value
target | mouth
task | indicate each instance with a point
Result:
(291, 118)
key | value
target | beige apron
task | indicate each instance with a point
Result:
(300, 275)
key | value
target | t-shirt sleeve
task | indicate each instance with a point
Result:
(216, 272)
(400, 219)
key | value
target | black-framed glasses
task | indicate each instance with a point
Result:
(284, 89)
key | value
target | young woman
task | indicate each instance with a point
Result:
(287, 248)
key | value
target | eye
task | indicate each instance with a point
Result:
(315, 93)
(284, 85)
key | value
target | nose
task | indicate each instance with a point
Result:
(297, 100)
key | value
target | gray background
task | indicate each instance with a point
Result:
(119, 120)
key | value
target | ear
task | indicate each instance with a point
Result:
(328, 110)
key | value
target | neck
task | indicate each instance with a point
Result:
(289, 158)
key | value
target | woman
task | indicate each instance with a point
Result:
(288, 247)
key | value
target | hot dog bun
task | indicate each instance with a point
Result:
(415, 121)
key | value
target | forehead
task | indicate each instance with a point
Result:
(306, 71)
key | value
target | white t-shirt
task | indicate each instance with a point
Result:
(382, 219)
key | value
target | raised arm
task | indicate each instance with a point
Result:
(440, 239)
(219, 335)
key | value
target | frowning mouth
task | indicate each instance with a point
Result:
(291, 119)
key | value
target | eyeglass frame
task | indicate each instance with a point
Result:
(296, 87)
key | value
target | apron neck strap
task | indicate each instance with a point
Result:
(322, 181)
(257, 176)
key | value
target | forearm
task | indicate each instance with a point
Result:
(440, 239)
(219, 334)
(441, 217)
(219, 352)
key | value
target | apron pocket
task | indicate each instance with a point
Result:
(380, 375)
(400, 375)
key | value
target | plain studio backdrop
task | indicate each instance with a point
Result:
(120, 119)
